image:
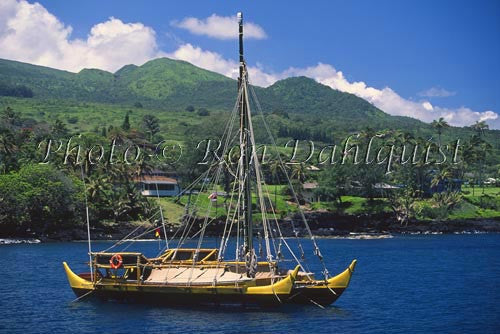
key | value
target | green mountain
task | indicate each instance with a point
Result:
(303, 106)
(158, 83)
(172, 84)
(301, 95)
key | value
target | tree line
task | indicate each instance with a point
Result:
(42, 198)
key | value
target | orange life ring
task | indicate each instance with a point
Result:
(116, 261)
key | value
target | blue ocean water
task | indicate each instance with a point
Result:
(407, 284)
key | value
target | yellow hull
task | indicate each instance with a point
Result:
(322, 292)
(286, 290)
(246, 293)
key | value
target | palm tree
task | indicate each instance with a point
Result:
(364, 138)
(441, 177)
(120, 192)
(421, 168)
(480, 145)
(447, 200)
(59, 128)
(297, 178)
(119, 204)
(117, 134)
(97, 187)
(10, 118)
(439, 125)
(7, 148)
(407, 138)
(143, 166)
(367, 134)
(151, 123)
(126, 122)
(299, 172)
(480, 127)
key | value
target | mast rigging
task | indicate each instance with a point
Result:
(245, 154)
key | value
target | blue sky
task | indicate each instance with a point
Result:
(441, 58)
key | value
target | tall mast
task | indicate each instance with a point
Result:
(245, 147)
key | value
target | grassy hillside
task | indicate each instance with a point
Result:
(157, 83)
(296, 107)
(89, 116)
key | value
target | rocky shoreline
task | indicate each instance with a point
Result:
(322, 224)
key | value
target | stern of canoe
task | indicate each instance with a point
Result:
(322, 292)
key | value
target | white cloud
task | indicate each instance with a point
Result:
(213, 61)
(29, 33)
(427, 105)
(220, 27)
(209, 60)
(436, 92)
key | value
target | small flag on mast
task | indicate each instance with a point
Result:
(157, 232)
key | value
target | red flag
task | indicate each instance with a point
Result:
(157, 232)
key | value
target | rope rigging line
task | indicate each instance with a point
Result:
(316, 251)
(265, 222)
(259, 182)
(163, 225)
(225, 238)
(282, 240)
(125, 238)
(161, 215)
(82, 296)
(135, 239)
(88, 224)
(215, 183)
(227, 130)
(191, 215)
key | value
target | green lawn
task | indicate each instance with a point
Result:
(479, 205)
(355, 205)
(478, 191)
(172, 212)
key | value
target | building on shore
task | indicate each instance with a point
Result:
(158, 183)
